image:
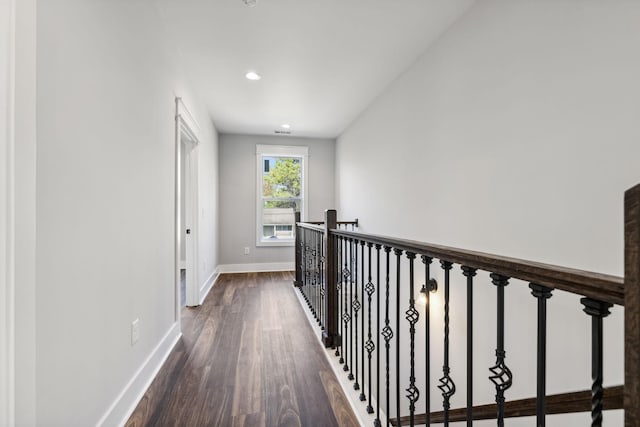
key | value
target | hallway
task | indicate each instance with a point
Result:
(247, 357)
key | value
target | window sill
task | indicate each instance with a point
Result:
(275, 243)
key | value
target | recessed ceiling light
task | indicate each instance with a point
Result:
(252, 75)
(250, 3)
(286, 126)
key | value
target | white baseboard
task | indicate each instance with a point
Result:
(255, 268)
(126, 402)
(208, 284)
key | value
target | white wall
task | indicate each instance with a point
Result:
(238, 194)
(25, 263)
(105, 202)
(7, 144)
(516, 133)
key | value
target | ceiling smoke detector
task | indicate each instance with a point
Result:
(250, 3)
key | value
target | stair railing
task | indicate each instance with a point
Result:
(364, 289)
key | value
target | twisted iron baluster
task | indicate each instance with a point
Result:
(369, 346)
(312, 274)
(309, 267)
(412, 316)
(447, 386)
(501, 375)
(308, 271)
(356, 308)
(469, 272)
(303, 256)
(427, 346)
(339, 286)
(377, 422)
(321, 278)
(317, 278)
(346, 274)
(354, 274)
(598, 310)
(306, 266)
(398, 253)
(387, 332)
(362, 290)
(542, 294)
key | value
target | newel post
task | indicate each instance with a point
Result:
(330, 334)
(632, 307)
(297, 281)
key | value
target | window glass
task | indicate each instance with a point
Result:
(280, 193)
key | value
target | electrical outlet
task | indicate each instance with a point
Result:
(246, 250)
(135, 331)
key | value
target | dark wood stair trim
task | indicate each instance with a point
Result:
(564, 403)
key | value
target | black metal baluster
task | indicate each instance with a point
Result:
(387, 333)
(339, 286)
(447, 386)
(354, 274)
(308, 275)
(317, 279)
(345, 278)
(542, 293)
(303, 263)
(377, 422)
(305, 257)
(427, 338)
(316, 285)
(398, 253)
(469, 273)
(598, 310)
(346, 317)
(412, 316)
(501, 374)
(321, 279)
(362, 383)
(312, 276)
(307, 288)
(370, 346)
(356, 308)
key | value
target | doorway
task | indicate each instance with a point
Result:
(186, 198)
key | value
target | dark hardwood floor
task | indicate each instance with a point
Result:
(248, 357)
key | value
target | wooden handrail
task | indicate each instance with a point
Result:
(601, 287)
(310, 226)
(565, 403)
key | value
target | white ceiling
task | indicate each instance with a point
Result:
(322, 61)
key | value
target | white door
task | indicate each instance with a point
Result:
(186, 209)
(189, 230)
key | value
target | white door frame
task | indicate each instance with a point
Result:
(186, 133)
(7, 207)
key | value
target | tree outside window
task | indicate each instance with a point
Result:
(281, 194)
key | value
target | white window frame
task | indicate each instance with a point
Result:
(280, 151)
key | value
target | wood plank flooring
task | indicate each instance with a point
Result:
(248, 357)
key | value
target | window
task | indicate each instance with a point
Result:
(281, 192)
